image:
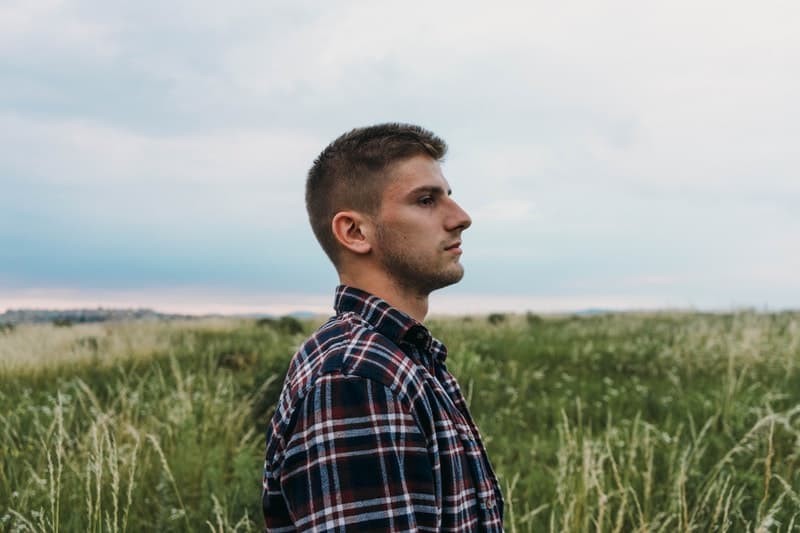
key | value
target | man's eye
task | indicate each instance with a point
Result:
(426, 200)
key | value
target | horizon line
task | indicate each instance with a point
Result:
(196, 302)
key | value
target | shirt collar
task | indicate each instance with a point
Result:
(392, 323)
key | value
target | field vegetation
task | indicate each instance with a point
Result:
(619, 422)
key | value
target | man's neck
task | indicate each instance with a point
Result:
(408, 301)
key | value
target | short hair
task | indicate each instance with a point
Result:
(351, 173)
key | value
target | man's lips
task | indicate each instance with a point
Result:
(455, 247)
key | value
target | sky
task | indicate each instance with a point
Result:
(612, 154)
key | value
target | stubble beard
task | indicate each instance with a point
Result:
(411, 270)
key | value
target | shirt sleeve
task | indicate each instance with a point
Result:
(357, 460)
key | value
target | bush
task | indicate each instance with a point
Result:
(285, 324)
(496, 318)
(533, 319)
(266, 322)
(290, 325)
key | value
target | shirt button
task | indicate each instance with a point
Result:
(488, 503)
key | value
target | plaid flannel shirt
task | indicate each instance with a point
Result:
(372, 432)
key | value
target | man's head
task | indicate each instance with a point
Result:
(376, 195)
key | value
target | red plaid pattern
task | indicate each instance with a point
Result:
(372, 432)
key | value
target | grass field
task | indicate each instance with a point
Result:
(629, 422)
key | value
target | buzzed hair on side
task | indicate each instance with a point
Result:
(351, 172)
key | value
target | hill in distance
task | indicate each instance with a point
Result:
(78, 316)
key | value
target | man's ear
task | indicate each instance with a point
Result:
(352, 230)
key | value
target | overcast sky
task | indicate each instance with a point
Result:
(612, 154)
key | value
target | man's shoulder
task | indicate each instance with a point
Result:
(349, 346)
(346, 347)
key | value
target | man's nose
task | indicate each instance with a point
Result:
(458, 218)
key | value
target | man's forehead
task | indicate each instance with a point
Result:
(414, 173)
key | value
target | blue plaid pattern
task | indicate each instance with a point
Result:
(372, 433)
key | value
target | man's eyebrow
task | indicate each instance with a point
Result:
(430, 189)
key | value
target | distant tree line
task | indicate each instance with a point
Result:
(67, 317)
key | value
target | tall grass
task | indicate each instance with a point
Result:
(141, 442)
(635, 422)
(661, 422)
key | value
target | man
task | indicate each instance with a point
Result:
(371, 430)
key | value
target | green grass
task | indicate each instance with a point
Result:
(630, 422)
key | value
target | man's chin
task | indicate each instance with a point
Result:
(425, 281)
(450, 278)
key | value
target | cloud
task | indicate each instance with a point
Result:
(592, 143)
(88, 152)
(35, 29)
